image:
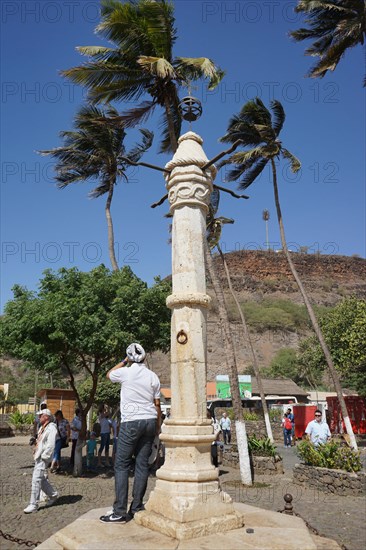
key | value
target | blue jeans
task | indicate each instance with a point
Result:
(57, 451)
(135, 438)
(227, 436)
(105, 440)
(287, 437)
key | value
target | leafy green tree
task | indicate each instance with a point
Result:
(335, 26)
(258, 129)
(106, 392)
(284, 364)
(140, 63)
(95, 150)
(344, 330)
(80, 323)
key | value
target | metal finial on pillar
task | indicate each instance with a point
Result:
(190, 109)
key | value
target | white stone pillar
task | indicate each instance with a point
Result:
(187, 501)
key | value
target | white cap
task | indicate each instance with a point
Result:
(45, 411)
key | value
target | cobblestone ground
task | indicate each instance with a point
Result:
(340, 518)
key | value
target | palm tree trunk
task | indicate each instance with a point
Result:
(318, 332)
(169, 116)
(112, 253)
(249, 340)
(241, 435)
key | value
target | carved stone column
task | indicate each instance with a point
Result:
(187, 501)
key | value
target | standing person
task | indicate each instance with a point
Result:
(62, 440)
(91, 446)
(225, 424)
(287, 429)
(140, 422)
(42, 454)
(36, 423)
(105, 437)
(75, 430)
(291, 416)
(215, 444)
(317, 431)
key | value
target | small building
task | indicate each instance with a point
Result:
(282, 388)
(59, 399)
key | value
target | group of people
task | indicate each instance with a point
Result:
(316, 431)
(65, 432)
(108, 428)
(140, 425)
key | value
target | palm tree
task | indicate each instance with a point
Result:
(141, 62)
(256, 127)
(214, 235)
(95, 150)
(230, 358)
(336, 26)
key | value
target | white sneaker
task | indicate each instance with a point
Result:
(51, 500)
(30, 508)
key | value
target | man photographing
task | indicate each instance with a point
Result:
(140, 422)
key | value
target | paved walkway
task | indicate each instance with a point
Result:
(341, 518)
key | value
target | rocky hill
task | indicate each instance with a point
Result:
(273, 305)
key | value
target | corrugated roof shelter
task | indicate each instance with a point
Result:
(280, 386)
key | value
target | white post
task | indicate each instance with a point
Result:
(187, 501)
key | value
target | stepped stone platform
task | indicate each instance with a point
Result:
(263, 530)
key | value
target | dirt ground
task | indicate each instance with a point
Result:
(340, 518)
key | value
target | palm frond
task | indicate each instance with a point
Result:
(279, 116)
(157, 66)
(252, 174)
(140, 148)
(335, 26)
(294, 161)
(194, 68)
(142, 27)
(137, 115)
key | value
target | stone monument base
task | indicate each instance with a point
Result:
(190, 529)
(264, 530)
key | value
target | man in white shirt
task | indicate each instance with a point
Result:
(318, 431)
(225, 424)
(42, 454)
(140, 422)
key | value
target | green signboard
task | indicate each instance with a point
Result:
(223, 386)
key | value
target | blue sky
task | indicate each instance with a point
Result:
(43, 227)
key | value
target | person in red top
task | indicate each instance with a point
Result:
(287, 430)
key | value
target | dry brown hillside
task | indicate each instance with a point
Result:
(266, 289)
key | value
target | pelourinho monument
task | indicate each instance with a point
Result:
(187, 501)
